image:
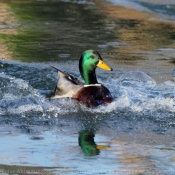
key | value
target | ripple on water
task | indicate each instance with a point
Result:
(134, 92)
(141, 111)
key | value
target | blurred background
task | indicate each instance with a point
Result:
(134, 134)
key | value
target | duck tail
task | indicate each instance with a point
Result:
(59, 70)
(55, 68)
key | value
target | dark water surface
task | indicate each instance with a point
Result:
(132, 135)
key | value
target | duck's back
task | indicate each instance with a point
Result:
(66, 86)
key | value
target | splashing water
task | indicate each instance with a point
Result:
(24, 90)
(141, 107)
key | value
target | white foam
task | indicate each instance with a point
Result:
(133, 91)
(25, 108)
(137, 92)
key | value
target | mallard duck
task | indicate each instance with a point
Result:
(90, 93)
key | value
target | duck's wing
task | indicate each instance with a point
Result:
(67, 85)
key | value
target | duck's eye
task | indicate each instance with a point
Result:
(92, 57)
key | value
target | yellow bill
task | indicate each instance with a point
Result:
(101, 64)
(100, 147)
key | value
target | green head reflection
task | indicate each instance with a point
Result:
(87, 143)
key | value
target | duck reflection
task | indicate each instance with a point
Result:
(87, 143)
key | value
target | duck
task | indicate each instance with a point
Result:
(90, 92)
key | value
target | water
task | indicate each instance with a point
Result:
(132, 135)
(163, 10)
(44, 133)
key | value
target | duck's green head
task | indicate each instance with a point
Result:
(89, 61)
